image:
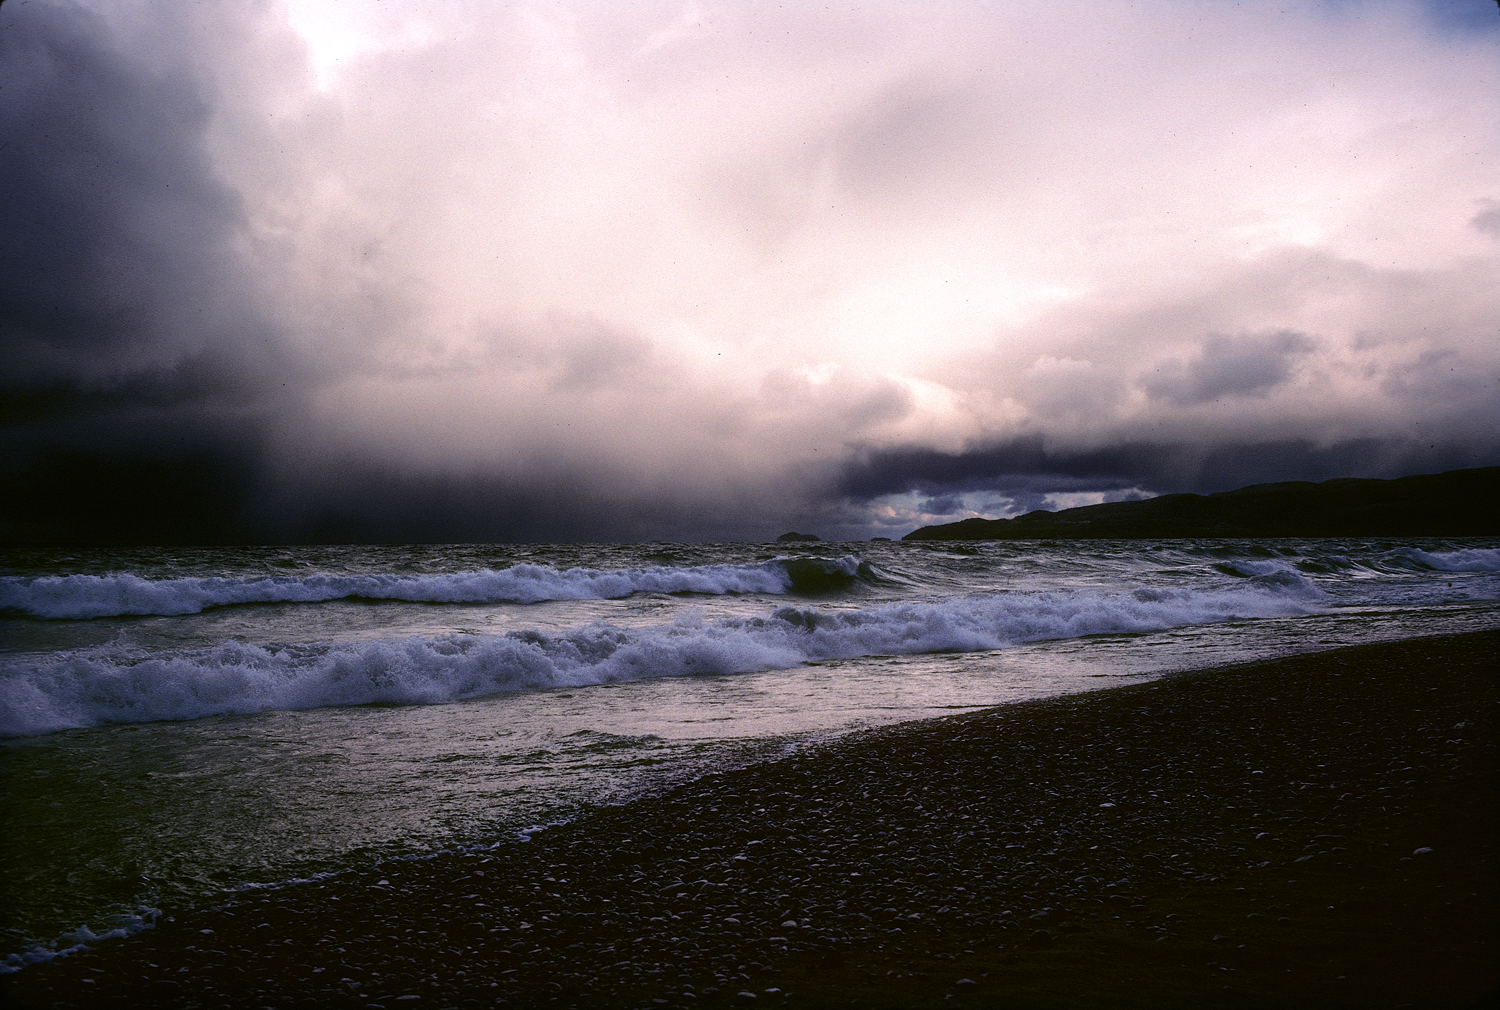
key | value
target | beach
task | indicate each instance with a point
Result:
(632, 505)
(1311, 831)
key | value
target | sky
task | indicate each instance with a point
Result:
(331, 271)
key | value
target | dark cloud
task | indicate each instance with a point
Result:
(358, 502)
(1246, 365)
(1012, 468)
(1468, 16)
(161, 484)
(1488, 219)
(136, 368)
(944, 506)
(1022, 502)
(116, 236)
(1027, 472)
(218, 487)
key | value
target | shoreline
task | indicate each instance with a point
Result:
(1241, 836)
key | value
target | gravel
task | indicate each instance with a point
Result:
(1311, 831)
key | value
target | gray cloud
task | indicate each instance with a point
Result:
(590, 354)
(1488, 219)
(1246, 365)
(1022, 502)
(944, 506)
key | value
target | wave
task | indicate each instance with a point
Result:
(121, 683)
(78, 597)
(1472, 559)
(1400, 562)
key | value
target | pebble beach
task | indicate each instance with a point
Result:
(1312, 831)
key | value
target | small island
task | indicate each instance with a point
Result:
(798, 538)
(1459, 503)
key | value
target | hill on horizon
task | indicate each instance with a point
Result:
(1451, 504)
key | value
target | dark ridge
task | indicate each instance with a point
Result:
(800, 538)
(1459, 503)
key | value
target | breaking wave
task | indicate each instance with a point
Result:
(76, 597)
(121, 683)
(1399, 562)
(1473, 559)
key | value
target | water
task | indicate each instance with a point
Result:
(175, 723)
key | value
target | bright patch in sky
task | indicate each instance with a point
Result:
(338, 33)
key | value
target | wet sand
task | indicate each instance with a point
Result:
(1314, 831)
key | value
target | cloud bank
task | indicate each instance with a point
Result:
(329, 272)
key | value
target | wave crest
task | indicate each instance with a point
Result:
(79, 597)
(1472, 559)
(122, 683)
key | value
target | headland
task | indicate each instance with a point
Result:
(1459, 503)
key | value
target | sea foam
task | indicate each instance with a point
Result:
(74, 597)
(120, 683)
(1471, 559)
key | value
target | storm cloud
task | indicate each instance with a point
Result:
(311, 271)
(1249, 365)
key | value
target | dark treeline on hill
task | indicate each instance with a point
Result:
(1454, 504)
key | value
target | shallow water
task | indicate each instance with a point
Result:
(179, 742)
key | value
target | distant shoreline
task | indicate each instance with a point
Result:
(1459, 503)
(1317, 830)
